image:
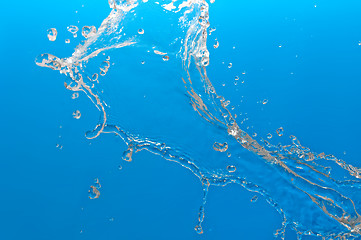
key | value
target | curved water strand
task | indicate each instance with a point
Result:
(275, 172)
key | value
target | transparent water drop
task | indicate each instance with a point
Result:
(73, 30)
(88, 31)
(236, 78)
(280, 131)
(140, 31)
(52, 34)
(220, 147)
(198, 229)
(231, 168)
(216, 44)
(94, 77)
(75, 95)
(93, 192)
(254, 198)
(76, 114)
(254, 135)
(230, 65)
(120, 167)
(264, 101)
(67, 40)
(143, 62)
(59, 146)
(229, 154)
(269, 136)
(165, 58)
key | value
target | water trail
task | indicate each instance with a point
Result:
(296, 181)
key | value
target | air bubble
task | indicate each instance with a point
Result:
(165, 58)
(67, 40)
(269, 136)
(76, 114)
(230, 65)
(88, 31)
(236, 78)
(52, 33)
(231, 168)
(141, 31)
(265, 101)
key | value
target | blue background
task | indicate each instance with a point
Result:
(44, 192)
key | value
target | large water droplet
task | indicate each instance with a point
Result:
(52, 33)
(220, 147)
(231, 168)
(88, 31)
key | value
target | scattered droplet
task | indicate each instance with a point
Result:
(198, 229)
(265, 101)
(52, 33)
(229, 65)
(73, 29)
(76, 114)
(220, 147)
(141, 31)
(236, 78)
(216, 44)
(75, 95)
(254, 135)
(94, 77)
(165, 58)
(280, 131)
(88, 31)
(59, 146)
(231, 168)
(67, 40)
(229, 154)
(143, 62)
(254, 198)
(94, 190)
(120, 167)
(269, 136)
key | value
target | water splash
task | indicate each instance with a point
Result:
(296, 181)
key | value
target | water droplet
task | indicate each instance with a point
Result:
(67, 40)
(94, 190)
(231, 168)
(88, 31)
(165, 58)
(216, 44)
(280, 131)
(265, 101)
(254, 135)
(59, 146)
(220, 147)
(254, 198)
(229, 65)
(75, 95)
(52, 33)
(229, 154)
(236, 78)
(198, 229)
(73, 29)
(76, 114)
(143, 62)
(94, 77)
(269, 136)
(120, 167)
(141, 31)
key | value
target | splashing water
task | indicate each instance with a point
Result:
(191, 123)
